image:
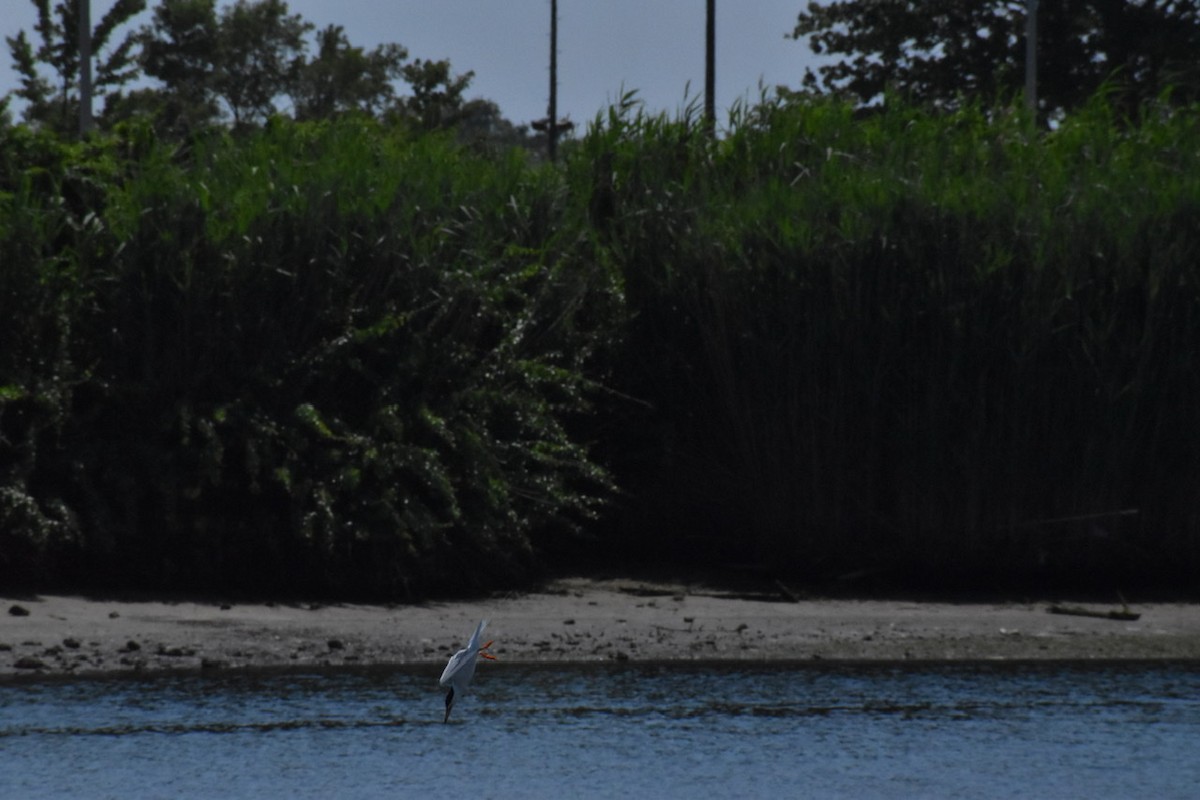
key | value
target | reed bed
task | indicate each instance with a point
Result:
(318, 358)
(337, 357)
(946, 348)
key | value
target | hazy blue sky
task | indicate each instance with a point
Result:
(654, 46)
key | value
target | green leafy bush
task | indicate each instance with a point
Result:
(904, 341)
(319, 358)
(335, 357)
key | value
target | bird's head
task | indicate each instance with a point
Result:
(449, 704)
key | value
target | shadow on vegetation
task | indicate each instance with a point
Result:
(911, 350)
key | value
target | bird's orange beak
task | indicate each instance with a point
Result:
(488, 656)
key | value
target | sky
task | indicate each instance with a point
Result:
(653, 46)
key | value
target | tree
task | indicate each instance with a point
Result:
(940, 51)
(245, 61)
(344, 78)
(240, 62)
(480, 124)
(437, 95)
(180, 50)
(258, 57)
(250, 58)
(55, 104)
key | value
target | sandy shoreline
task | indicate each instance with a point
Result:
(572, 620)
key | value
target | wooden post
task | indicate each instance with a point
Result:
(710, 69)
(1031, 56)
(552, 122)
(85, 67)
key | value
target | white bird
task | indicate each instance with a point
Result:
(461, 669)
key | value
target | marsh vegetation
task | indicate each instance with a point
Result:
(357, 357)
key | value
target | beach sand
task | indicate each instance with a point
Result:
(572, 620)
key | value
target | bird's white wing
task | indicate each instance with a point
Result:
(454, 666)
(463, 662)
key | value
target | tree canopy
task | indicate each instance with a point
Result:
(343, 78)
(942, 51)
(56, 104)
(237, 63)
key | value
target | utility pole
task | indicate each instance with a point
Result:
(710, 69)
(85, 67)
(1031, 56)
(552, 126)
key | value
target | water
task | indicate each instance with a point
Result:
(620, 731)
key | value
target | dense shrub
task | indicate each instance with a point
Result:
(941, 345)
(315, 358)
(341, 358)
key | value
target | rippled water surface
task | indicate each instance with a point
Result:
(617, 731)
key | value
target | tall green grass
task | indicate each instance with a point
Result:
(905, 341)
(342, 358)
(318, 358)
